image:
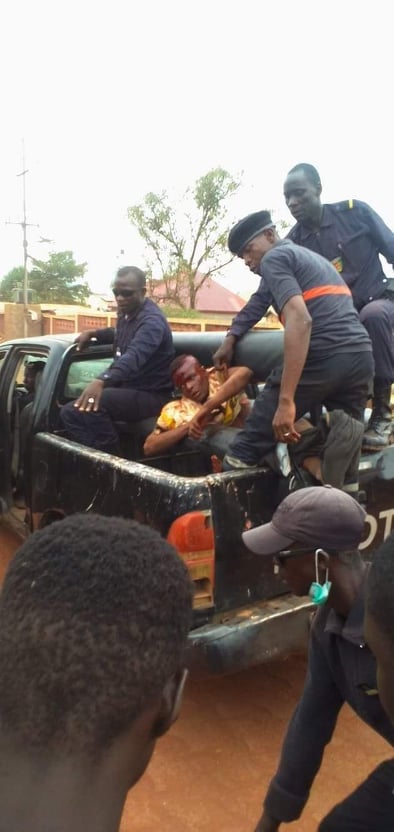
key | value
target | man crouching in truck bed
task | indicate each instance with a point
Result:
(137, 383)
(94, 618)
(211, 410)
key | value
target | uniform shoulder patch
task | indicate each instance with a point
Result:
(345, 205)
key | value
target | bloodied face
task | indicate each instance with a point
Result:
(192, 379)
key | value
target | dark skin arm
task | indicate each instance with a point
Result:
(83, 338)
(298, 325)
(222, 357)
(92, 391)
(238, 378)
(158, 442)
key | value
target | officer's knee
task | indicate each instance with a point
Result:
(375, 314)
(106, 397)
(69, 414)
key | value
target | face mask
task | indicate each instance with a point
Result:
(318, 592)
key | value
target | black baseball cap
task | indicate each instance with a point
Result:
(318, 516)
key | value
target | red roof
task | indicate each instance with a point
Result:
(212, 297)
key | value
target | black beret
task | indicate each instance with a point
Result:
(244, 231)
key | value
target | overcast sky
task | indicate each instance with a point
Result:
(115, 99)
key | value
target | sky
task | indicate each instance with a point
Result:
(116, 99)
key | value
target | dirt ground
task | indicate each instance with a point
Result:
(209, 774)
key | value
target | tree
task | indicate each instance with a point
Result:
(11, 281)
(54, 280)
(187, 247)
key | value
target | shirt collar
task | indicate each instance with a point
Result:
(326, 221)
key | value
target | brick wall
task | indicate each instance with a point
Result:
(13, 325)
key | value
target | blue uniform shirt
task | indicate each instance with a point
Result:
(143, 350)
(352, 236)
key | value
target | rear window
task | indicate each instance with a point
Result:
(81, 373)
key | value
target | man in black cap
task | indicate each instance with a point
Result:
(341, 668)
(327, 352)
(351, 235)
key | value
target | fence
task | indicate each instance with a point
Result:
(56, 325)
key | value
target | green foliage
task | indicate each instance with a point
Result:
(57, 280)
(187, 245)
(176, 312)
(12, 280)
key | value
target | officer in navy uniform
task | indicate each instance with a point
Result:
(351, 235)
(137, 384)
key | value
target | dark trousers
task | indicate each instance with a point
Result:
(378, 319)
(340, 382)
(213, 441)
(117, 404)
(370, 808)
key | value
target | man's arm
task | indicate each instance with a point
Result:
(252, 312)
(381, 234)
(160, 441)
(103, 336)
(250, 315)
(298, 326)
(310, 729)
(238, 378)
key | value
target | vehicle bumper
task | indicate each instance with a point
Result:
(250, 636)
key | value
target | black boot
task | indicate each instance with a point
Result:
(379, 432)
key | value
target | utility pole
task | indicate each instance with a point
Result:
(24, 225)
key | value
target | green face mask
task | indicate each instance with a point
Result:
(318, 592)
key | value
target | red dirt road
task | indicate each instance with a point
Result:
(210, 772)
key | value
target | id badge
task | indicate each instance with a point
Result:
(337, 262)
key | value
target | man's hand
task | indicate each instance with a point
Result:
(83, 339)
(283, 422)
(198, 423)
(89, 400)
(267, 824)
(222, 357)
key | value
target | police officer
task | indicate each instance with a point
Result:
(327, 352)
(351, 235)
(137, 384)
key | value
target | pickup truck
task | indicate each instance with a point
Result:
(243, 612)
